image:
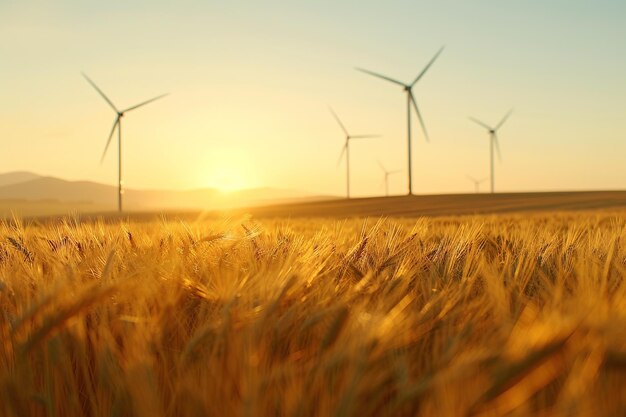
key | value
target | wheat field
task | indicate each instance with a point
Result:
(456, 316)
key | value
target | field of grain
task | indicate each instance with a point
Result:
(453, 316)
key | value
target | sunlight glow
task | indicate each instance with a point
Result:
(228, 180)
(230, 173)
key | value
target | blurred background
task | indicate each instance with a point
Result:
(251, 82)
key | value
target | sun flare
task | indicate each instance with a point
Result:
(228, 178)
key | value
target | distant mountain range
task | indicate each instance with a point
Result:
(28, 188)
(17, 177)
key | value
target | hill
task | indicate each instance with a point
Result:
(49, 188)
(17, 177)
(31, 195)
(448, 205)
(398, 206)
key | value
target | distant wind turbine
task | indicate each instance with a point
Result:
(387, 174)
(476, 182)
(410, 100)
(118, 124)
(346, 148)
(493, 141)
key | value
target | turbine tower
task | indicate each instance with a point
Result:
(408, 88)
(493, 142)
(387, 174)
(118, 124)
(346, 148)
(476, 182)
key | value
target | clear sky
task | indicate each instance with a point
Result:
(250, 82)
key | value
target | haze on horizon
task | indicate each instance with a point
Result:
(250, 84)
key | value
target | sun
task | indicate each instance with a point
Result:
(228, 179)
(228, 169)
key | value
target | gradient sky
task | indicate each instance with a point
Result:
(250, 82)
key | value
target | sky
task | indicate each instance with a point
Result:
(250, 83)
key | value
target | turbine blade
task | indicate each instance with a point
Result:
(338, 121)
(381, 76)
(380, 164)
(497, 145)
(364, 136)
(432, 61)
(145, 102)
(486, 126)
(471, 178)
(397, 171)
(504, 119)
(419, 116)
(343, 152)
(100, 92)
(106, 148)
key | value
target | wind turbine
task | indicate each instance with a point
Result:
(118, 124)
(346, 148)
(476, 182)
(410, 100)
(493, 141)
(387, 174)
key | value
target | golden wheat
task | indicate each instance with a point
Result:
(492, 315)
